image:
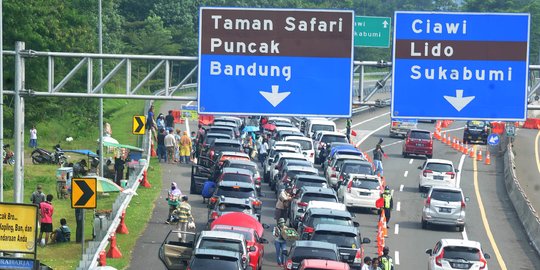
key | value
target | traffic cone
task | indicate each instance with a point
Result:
(122, 228)
(488, 158)
(466, 149)
(461, 147)
(444, 138)
(102, 258)
(471, 152)
(380, 243)
(383, 220)
(454, 143)
(113, 252)
(449, 142)
(144, 181)
(152, 149)
(479, 156)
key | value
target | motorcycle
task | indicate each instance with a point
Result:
(42, 156)
(8, 156)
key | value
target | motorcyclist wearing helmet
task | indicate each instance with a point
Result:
(386, 260)
(388, 204)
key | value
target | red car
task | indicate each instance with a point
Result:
(312, 264)
(252, 230)
(418, 142)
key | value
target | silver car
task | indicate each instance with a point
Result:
(444, 206)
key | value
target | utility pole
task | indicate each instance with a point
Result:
(1, 97)
(18, 129)
(101, 91)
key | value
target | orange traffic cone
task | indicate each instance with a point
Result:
(380, 243)
(479, 156)
(383, 220)
(113, 252)
(152, 149)
(455, 144)
(444, 138)
(461, 147)
(466, 149)
(488, 158)
(471, 152)
(449, 142)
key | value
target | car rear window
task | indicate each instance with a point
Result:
(341, 239)
(292, 174)
(218, 262)
(232, 207)
(424, 135)
(333, 138)
(252, 168)
(358, 168)
(316, 127)
(464, 253)
(316, 220)
(439, 167)
(247, 235)
(366, 183)
(310, 183)
(446, 195)
(228, 147)
(299, 162)
(240, 193)
(318, 197)
(306, 145)
(210, 138)
(221, 244)
(479, 124)
(302, 253)
(236, 177)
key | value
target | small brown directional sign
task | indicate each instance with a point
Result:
(138, 124)
(83, 193)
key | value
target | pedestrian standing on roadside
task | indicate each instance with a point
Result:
(193, 138)
(177, 137)
(185, 148)
(263, 150)
(161, 150)
(170, 145)
(282, 203)
(33, 137)
(38, 196)
(150, 122)
(169, 121)
(160, 121)
(349, 124)
(46, 213)
(173, 199)
(367, 263)
(184, 217)
(279, 242)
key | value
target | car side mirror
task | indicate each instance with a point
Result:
(266, 226)
(419, 167)
(252, 249)
(467, 199)
(366, 240)
(356, 224)
(487, 256)
(263, 241)
(429, 252)
(456, 170)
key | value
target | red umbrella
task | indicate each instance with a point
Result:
(241, 220)
(269, 127)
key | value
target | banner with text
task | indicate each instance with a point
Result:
(18, 224)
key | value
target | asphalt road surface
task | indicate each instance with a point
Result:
(491, 219)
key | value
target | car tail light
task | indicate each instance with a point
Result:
(349, 186)
(463, 205)
(425, 172)
(311, 155)
(214, 215)
(358, 257)
(211, 154)
(302, 204)
(452, 175)
(438, 259)
(309, 229)
(341, 177)
(428, 201)
(257, 203)
(258, 180)
(482, 261)
(213, 200)
(395, 124)
(288, 265)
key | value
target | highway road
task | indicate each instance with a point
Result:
(491, 219)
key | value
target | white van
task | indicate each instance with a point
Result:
(314, 125)
(307, 146)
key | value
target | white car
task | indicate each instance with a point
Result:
(294, 145)
(360, 190)
(332, 170)
(274, 166)
(437, 172)
(306, 144)
(457, 254)
(323, 138)
(272, 154)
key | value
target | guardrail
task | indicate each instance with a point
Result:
(106, 226)
(524, 209)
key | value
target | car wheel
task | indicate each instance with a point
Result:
(461, 228)
(420, 189)
(404, 154)
(424, 224)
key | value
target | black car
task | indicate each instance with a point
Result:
(301, 250)
(316, 216)
(204, 258)
(476, 131)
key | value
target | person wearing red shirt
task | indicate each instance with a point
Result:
(46, 211)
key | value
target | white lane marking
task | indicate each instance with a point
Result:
(371, 133)
(460, 166)
(396, 229)
(411, 161)
(454, 129)
(406, 173)
(365, 121)
(386, 145)
(464, 234)
(396, 257)
(187, 121)
(401, 187)
(398, 207)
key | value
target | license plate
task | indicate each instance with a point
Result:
(438, 177)
(419, 144)
(364, 193)
(460, 265)
(444, 210)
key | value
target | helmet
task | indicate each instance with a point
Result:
(281, 221)
(386, 249)
(386, 187)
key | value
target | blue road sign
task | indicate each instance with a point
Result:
(275, 62)
(493, 139)
(460, 66)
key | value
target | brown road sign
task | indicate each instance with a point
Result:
(84, 193)
(138, 125)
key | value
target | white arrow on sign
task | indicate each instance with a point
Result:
(493, 140)
(274, 97)
(385, 23)
(459, 102)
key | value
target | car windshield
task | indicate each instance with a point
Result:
(302, 253)
(244, 166)
(319, 127)
(461, 253)
(439, 167)
(424, 135)
(211, 138)
(446, 195)
(341, 239)
(234, 192)
(333, 220)
(306, 145)
(218, 262)
(318, 197)
(358, 168)
(366, 183)
(476, 124)
(228, 147)
(232, 207)
(221, 244)
(237, 177)
(333, 138)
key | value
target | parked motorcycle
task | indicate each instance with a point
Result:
(42, 156)
(8, 156)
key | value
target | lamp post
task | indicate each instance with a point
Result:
(1, 98)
